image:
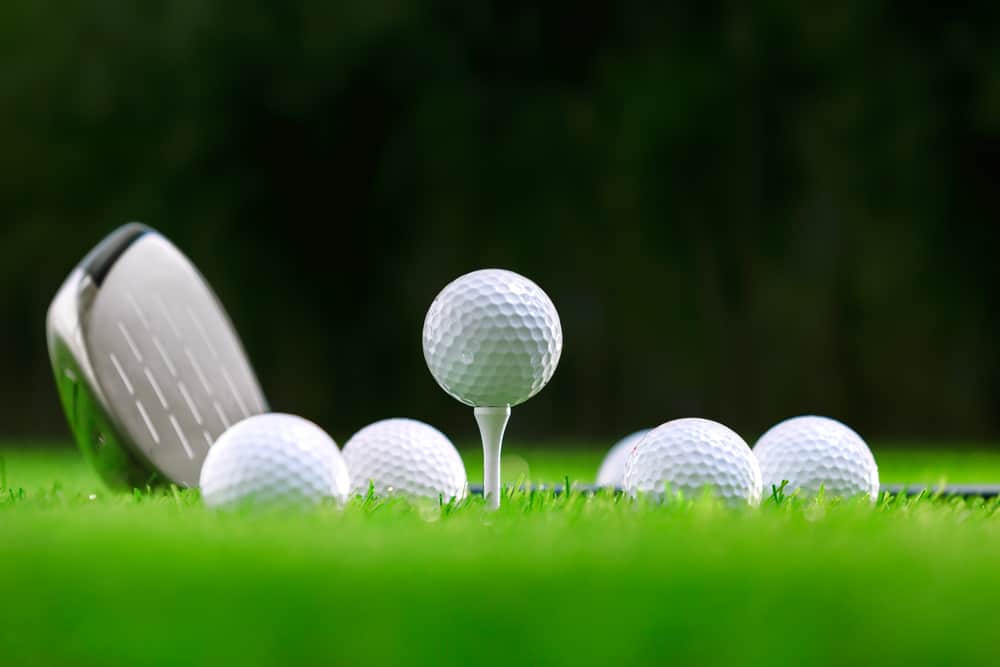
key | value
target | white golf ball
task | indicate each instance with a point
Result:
(404, 456)
(273, 459)
(492, 338)
(612, 470)
(811, 452)
(689, 455)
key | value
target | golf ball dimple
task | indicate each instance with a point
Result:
(407, 457)
(612, 470)
(273, 459)
(492, 338)
(810, 452)
(690, 455)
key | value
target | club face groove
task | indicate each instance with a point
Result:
(138, 341)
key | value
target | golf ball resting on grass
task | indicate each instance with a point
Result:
(492, 339)
(406, 457)
(812, 452)
(273, 460)
(612, 470)
(691, 455)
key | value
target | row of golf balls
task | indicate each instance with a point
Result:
(278, 458)
(807, 454)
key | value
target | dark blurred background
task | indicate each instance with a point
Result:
(741, 213)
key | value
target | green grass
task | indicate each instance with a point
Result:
(90, 577)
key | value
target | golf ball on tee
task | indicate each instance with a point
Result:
(273, 459)
(492, 338)
(612, 470)
(407, 457)
(689, 455)
(811, 452)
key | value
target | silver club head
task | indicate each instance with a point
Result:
(147, 364)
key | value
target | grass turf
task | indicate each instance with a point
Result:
(92, 577)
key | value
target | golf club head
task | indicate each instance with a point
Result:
(147, 364)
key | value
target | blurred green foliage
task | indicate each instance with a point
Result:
(742, 212)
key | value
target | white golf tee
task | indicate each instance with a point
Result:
(492, 424)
